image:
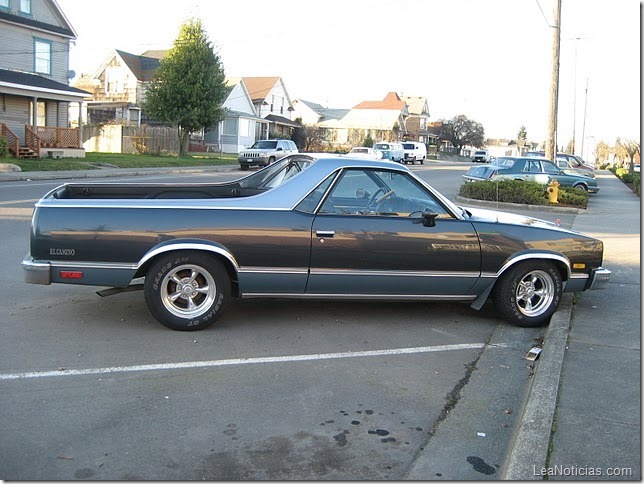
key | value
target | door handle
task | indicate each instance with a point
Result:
(325, 233)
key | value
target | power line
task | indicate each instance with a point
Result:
(544, 15)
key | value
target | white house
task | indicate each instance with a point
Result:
(241, 126)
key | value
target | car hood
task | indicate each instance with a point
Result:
(483, 215)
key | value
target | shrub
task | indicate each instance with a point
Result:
(620, 171)
(4, 150)
(573, 196)
(515, 191)
(512, 191)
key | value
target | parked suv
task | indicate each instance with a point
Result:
(265, 151)
(481, 156)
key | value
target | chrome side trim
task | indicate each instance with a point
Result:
(393, 297)
(93, 204)
(352, 272)
(92, 265)
(579, 276)
(536, 255)
(188, 246)
(273, 270)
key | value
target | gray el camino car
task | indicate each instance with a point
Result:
(305, 227)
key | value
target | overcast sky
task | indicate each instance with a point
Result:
(490, 60)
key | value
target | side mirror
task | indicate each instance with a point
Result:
(429, 219)
(280, 149)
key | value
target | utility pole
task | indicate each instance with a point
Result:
(574, 106)
(583, 129)
(551, 141)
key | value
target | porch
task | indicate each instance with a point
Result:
(44, 142)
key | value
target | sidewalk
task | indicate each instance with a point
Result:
(593, 387)
(12, 176)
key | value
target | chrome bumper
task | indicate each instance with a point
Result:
(36, 272)
(599, 279)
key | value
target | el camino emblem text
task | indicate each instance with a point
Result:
(62, 251)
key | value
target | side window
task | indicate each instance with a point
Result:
(374, 192)
(532, 166)
(311, 201)
(551, 168)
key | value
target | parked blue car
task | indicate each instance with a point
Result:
(540, 170)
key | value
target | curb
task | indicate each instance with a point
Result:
(529, 449)
(543, 208)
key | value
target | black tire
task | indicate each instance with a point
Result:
(244, 167)
(528, 293)
(206, 286)
(271, 160)
(581, 186)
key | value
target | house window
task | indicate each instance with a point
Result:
(41, 115)
(135, 116)
(25, 6)
(244, 127)
(113, 80)
(4, 3)
(230, 126)
(42, 56)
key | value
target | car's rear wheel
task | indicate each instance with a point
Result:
(529, 293)
(187, 290)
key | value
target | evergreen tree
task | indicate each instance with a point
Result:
(189, 86)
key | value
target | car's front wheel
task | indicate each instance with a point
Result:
(581, 186)
(529, 293)
(187, 290)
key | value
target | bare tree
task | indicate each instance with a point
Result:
(631, 147)
(461, 131)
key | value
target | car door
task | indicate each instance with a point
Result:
(369, 237)
(533, 171)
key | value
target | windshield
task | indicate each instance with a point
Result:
(277, 173)
(264, 145)
(479, 153)
(381, 146)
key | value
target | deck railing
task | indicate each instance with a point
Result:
(32, 140)
(53, 137)
(13, 143)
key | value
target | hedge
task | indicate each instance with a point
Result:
(516, 191)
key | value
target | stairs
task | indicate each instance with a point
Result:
(24, 152)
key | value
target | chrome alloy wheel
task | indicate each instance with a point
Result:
(188, 291)
(535, 292)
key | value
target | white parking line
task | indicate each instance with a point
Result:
(240, 361)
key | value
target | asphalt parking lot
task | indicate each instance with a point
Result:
(94, 388)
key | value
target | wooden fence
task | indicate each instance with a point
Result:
(115, 138)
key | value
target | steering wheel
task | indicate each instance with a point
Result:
(375, 200)
(373, 197)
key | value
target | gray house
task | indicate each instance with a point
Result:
(34, 80)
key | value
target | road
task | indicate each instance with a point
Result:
(95, 389)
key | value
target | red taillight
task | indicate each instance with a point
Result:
(71, 274)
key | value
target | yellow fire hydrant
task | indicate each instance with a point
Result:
(553, 191)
